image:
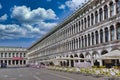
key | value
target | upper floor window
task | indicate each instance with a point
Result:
(88, 39)
(92, 19)
(82, 42)
(106, 35)
(112, 33)
(118, 6)
(85, 41)
(97, 38)
(88, 21)
(101, 14)
(92, 38)
(111, 9)
(101, 36)
(82, 24)
(105, 12)
(118, 31)
(85, 23)
(96, 17)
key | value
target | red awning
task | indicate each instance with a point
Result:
(17, 58)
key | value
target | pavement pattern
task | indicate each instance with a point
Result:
(41, 74)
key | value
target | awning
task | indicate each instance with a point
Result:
(111, 55)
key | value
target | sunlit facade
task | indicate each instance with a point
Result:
(13, 56)
(93, 30)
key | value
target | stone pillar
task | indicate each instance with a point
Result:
(69, 63)
(115, 38)
(109, 12)
(101, 64)
(103, 35)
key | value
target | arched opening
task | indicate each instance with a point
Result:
(88, 57)
(104, 61)
(101, 14)
(76, 56)
(82, 24)
(118, 6)
(72, 62)
(85, 41)
(82, 42)
(81, 56)
(92, 19)
(106, 35)
(101, 36)
(112, 33)
(85, 22)
(67, 61)
(95, 55)
(88, 21)
(118, 31)
(92, 38)
(96, 17)
(96, 35)
(105, 12)
(88, 39)
(111, 9)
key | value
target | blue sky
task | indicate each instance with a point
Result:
(22, 22)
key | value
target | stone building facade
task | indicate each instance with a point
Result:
(93, 30)
(13, 56)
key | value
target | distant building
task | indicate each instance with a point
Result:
(13, 56)
(93, 30)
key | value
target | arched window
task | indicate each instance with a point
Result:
(105, 12)
(88, 21)
(88, 39)
(106, 35)
(111, 9)
(92, 38)
(74, 43)
(118, 6)
(85, 23)
(79, 43)
(101, 36)
(82, 24)
(79, 25)
(85, 41)
(118, 31)
(1, 54)
(101, 14)
(92, 19)
(97, 38)
(96, 17)
(112, 33)
(82, 42)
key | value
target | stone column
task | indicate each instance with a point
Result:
(109, 11)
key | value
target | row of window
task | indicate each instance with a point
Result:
(13, 62)
(12, 54)
(90, 20)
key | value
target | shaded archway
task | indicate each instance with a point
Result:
(72, 62)
(94, 56)
(67, 61)
(105, 62)
(76, 56)
(81, 56)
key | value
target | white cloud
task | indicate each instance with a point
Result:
(26, 15)
(0, 6)
(73, 4)
(14, 31)
(62, 6)
(4, 17)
